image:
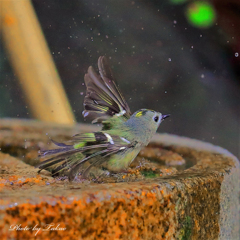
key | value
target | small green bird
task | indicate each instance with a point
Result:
(122, 136)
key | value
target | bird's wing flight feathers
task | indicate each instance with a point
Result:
(103, 98)
(92, 147)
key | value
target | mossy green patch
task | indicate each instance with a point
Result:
(186, 230)
(149, 173)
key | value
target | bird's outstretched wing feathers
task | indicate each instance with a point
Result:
(103, 98)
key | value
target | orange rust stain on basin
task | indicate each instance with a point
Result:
(13, 181)
(125, 215)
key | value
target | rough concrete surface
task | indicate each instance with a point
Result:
(199, 201)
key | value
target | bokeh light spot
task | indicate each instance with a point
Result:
(201, 14)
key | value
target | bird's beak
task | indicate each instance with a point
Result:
(165, 116)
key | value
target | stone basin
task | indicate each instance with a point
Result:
(178, 188)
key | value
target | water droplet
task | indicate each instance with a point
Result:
(236, 54)
(169, 59)
(175, 22)
(165, 92)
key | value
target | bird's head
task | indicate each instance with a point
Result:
(149, 118)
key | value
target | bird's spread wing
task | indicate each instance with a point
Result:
(103, 98)
(93, 147)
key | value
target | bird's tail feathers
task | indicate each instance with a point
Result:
(65, 157)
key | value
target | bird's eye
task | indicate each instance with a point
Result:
(156, 119)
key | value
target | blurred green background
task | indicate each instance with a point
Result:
(160, 57)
